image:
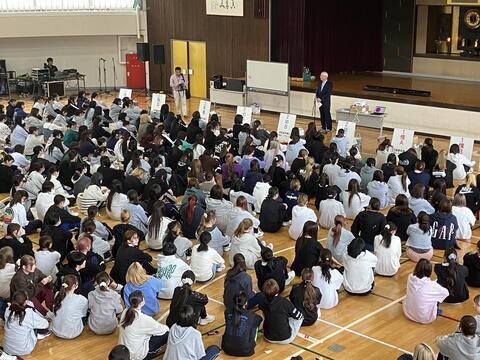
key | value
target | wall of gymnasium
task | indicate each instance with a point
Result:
(230, 41)
(74, 40)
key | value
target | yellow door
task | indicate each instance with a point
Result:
(197, 55)
(180, 56)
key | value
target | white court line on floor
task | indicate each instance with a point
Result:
(364, 336)
(335, 333)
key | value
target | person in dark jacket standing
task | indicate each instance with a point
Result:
(272, 212)
(306, 297)
(307, 248)
(282, 320)
(369, 223)
(241, 328)
(324, 93)
(127, 254)
(472, 262)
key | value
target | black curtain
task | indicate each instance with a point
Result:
(287, 35)
(333, 35)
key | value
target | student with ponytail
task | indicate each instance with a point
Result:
(398, 184)
(185, 341)
(452, 276)
(182, 244)
(241, 328)
(306, 298)
(141, 334)
(205, 261)
(307, 248)
(353, 200)
(245, 242)
(339, 238)
(273, 267)
(327, 279)
(69, 309)
(237, 281)
(192, 213)
(388, 249)
(219, 242)
(104, 305)
(419, 243)
(184, 295)
(23, 326)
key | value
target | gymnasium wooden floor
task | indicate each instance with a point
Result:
(371, 327)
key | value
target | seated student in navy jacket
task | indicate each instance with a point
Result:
(291, 197)
(472, 262)
(272, 212)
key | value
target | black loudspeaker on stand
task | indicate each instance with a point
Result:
(159, 54)
(143, 52)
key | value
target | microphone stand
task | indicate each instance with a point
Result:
(99, 76)
(314, 109)
(105, 77)
(114, 75)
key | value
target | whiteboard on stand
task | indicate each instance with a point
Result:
(125, 93)
(204, 109)
(246, 112)
(402, 140)
(465, 145)
(286, 123)
(265, 75)
(158, 100)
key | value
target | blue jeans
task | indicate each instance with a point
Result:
(68, 227)
(211, 352)
(154, 345)
(3, 307)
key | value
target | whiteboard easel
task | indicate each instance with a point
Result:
(465, 145)
(158, 100)
(125, 93)
(286, 123)
(204, 109)
(246, 112)
(402, 140)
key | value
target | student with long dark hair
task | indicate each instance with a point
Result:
(327, 279)
(398, 185)
(306, 298)
(157, 226)
(423, 294)
(353, 200)
(368, 224)
(273, 267)
(272, 212)
(184, 295)
(141, 334)
(69, 309)
(402, 216)
(359, 265)
(444, 226)
(237, 281)
(339, 238)
(388, 249)
(452, 276)
(15, 238)
(22, 325)
(378, 188)
(116, 200)
(307, 248)
(241, 328)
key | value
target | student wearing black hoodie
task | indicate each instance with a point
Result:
(237, 281)
(472, 262)
(282, 320)
(272, 212)
(369, 223)
(271, 267)
(306, 298)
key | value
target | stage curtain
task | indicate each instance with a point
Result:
(333, 35)
(287, 35)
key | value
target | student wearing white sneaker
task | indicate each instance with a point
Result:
(184, 295)
(22, 323)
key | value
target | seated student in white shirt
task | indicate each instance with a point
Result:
(19, 160)
(388, 248)
(330, 208)
(170, 269)
(342, 142)
(359, 264)
(463, 165)
(205, 261)
(17, 204)
(332, 169)
(301, 213)
(69, 309)
(465, 218)
(354, 201)
(46, 258)
(141, 334)
(4, 129)
(33, 139)
(328, 279)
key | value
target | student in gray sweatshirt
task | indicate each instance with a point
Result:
(104, 305)
(463, 344)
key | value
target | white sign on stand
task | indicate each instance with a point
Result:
(246, 112)
(402, 140)
(125, 93)
(465, 145)
(349, 128)
(157, 101)
(285, 125)
(204, 109)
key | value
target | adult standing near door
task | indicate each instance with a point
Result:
(179, 85)
(324, 93)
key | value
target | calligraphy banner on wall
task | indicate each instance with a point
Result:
(225, 7)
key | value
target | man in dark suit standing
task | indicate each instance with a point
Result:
(324, 92)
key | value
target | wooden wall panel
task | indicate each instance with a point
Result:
(230, 40)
